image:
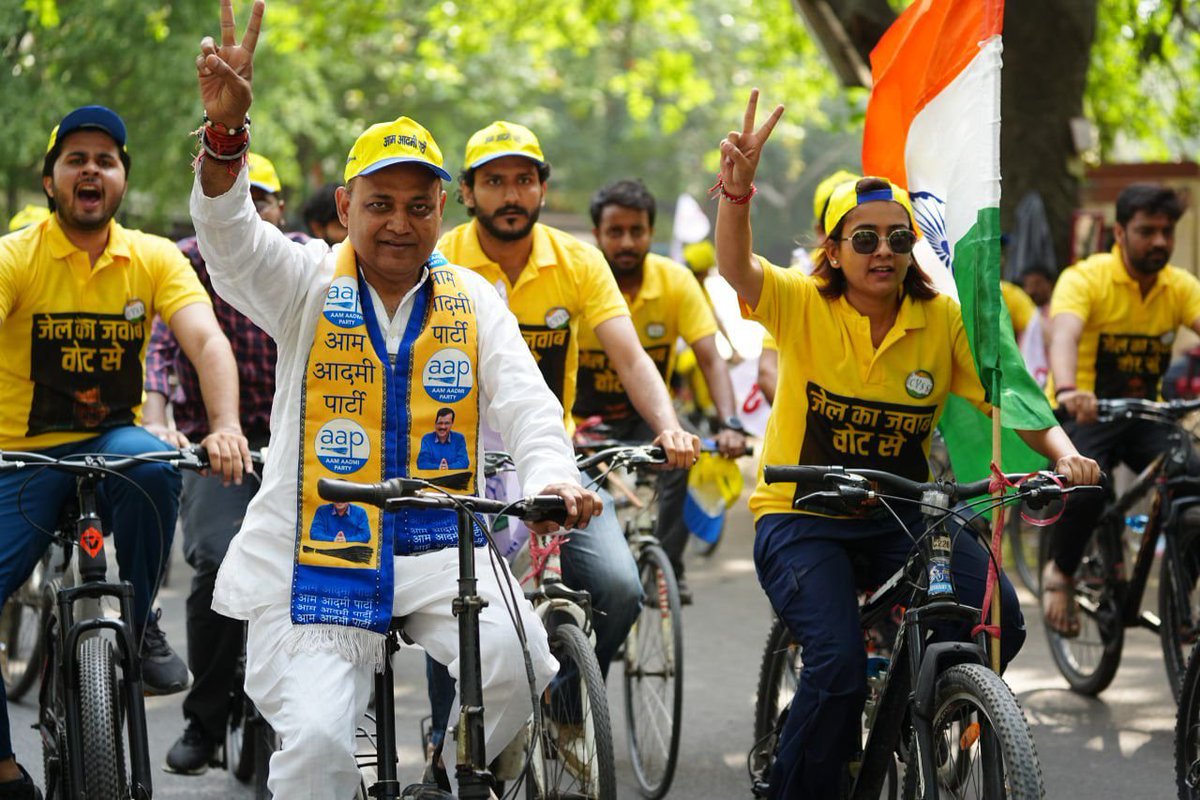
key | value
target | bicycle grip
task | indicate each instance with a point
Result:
(544, 508)
(795, 473)
(336, 491)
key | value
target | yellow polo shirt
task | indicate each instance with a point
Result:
(846, 403)
(1126, 343)
(73, 336)
(565, 284)
(669, 305)
(1020, 306)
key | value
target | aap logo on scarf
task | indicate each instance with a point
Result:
(448, 376)
(343, 446)
(341, 303)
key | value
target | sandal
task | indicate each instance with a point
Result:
(1053, 586)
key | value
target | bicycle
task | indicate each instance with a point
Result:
(653, 650)
(1109, 599)
(1187, 731)
(91, 680)
(934, 707)
(474, 779)
(21, 642)
(571, 754)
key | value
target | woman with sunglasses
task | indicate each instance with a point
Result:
(868, 354)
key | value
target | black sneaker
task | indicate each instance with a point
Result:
(163, 672)
(685, 591)
(193, 753)
(23, 789)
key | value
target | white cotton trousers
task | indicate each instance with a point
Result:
(314, 700)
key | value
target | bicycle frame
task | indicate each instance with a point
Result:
(92, 565)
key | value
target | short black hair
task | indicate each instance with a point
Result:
(444, 411)
(1152, 198)
(467, 176)
(1038, 269)
(54, 152)
(321, 208)
(627, 193)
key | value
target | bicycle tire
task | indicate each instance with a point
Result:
(1179, 596)
(992, 708)
(266, 742)
(1024, 542)
(102, 720)
(558, 769)
(1187, 731)
(654, 677)
(1089, 661)
(240, 733)
(22, 636)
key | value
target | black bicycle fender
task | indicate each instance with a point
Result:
(938, 657)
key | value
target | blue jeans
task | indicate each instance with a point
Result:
(142, 531)
(806, 565)
(597, 560)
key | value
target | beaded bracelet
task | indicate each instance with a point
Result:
(737, 200)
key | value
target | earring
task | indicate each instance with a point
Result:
(833, 261)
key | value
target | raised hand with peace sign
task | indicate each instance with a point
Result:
(740, 152)
(225, 72)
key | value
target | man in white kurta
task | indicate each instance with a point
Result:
(313, 696)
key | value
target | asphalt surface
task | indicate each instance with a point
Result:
(1117, 746)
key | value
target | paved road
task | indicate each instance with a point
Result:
(1117, 747)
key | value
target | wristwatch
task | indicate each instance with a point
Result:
(733, 424)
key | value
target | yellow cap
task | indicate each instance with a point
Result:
(846, 197)
(401, 141)
(700, 256)
(29, 215)
(262, 174)
(825, 189)
(502, 139)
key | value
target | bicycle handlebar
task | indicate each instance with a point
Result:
(1117, 408)
(857, 485)
(83, 463)
(397, 493)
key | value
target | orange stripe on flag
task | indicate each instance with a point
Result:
(919, 55)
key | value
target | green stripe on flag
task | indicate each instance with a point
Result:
(1001, 369)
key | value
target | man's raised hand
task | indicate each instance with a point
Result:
(225, 72)
(740, 150)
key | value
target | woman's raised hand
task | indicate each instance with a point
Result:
(740, 150)
(225, 72)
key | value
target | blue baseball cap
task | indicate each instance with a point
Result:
(95, 117)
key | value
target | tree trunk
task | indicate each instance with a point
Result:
(1047, 45)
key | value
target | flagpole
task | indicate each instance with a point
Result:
(998, 550)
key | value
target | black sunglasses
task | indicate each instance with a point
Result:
(865, 242)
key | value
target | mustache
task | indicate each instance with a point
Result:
(505, 210)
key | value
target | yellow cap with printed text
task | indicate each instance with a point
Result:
(845, 198)
(262, 174)
(401, 141)
(502, 139)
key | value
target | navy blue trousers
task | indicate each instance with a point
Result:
(806, 565)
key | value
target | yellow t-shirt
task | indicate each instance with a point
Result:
(670, 304)
(1020, 305)
(565, 284)
(846, 403)
(1126, 343)
(73, 337)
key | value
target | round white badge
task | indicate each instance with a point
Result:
(919, 384)
(655, 330)
(557, 317)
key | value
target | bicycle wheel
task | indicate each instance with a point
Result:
(1187, 731)
(573, 755)
(654, 677)
(1179, 596)
(21, 636)
(778, 679)
(1024, 541)
(52, 715)
(266, 742)
(240, 737)
(1089, 661)
(102, 717)
(982, 744)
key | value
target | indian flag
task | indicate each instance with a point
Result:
(933, 126)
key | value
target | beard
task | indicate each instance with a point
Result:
(64, 203)
(488, 221)
(626, 262)
(1151, 261)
